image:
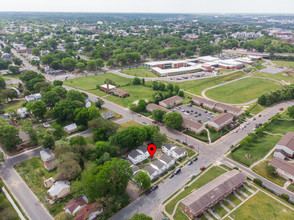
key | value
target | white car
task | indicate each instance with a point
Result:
(138, 115)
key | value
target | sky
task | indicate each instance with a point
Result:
(149, 6)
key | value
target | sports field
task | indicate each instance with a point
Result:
(139, 71)
(242, 91)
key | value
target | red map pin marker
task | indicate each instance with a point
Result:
(151, 149)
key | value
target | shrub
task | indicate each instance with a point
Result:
(257, 181)
(285, 196)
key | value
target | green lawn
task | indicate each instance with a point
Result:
(291, 187)
(201, 181)
(7, 212)
(256, 108)
(278, 76)
(32, 171)
(202, 137)
(90, 82)
(287, 64)
(242, 91)
(196, 86)
(261, 169)
(219, 210)
(263, 144)
(233, 199)
(13, 105)
(136, 92)
(129, 124)
(228, 205)
(261, 206)
(140, 72)
(179, 215)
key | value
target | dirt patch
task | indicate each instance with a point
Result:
(133, 191)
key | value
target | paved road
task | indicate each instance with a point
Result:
(265, 182)
(208, 154)
(29, 203)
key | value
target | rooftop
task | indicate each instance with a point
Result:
(222, 118)
(283, 165)
(287, 140)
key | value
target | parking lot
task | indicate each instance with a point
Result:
(194, 113)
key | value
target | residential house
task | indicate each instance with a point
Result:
(88, 104)
(119, 92)
(283, 168)
(22, 112)
(49, 159)
(285, 147)
(75, 205)
(220, 121)
(228, 109)
(139, 154)
(70, 128)
(89, 212)
(60, 189)
(167, 160)
(171, 102)
(193, 126)
(5, 116)
(25, 140)
(173, 151)
(33, 97)
(210, 194)
(159, 166)
(151, 171)
(151, 107)
(108, 115)
(135, 169)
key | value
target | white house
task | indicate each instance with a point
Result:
(49, 159)
(139, 154)
(152, 172)
(280, 154)
(167, 160)
(159, 166)
(33, 97)
(70, 128)
(60, 189)
(22, 112)
(173, 151)
(286, 145)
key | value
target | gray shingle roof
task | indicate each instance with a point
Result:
(108, 115)
(166, 158)
(134, 153)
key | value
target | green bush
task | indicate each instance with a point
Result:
(257, 181)
(285, 196)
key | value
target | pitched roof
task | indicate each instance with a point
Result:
(156, 107)
(75, 203)
(204, 101)
(166, 159)
(84, 213)
(281, 151)
(228, 108)
(149, 169)
(169, 145)
(283, 165)
(158, 164)
(191, 123)
(134, 153)
(143, 148)
(179, 150)
(57, 187)
(287, 140)
(222, 118)
(171, 99)
(213, 190)
(108, 115)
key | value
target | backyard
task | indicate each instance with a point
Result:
(250, 88)
(262, 206)
(139, 71)
(13, 105)
(34, 173)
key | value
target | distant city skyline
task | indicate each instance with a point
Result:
(151, 6)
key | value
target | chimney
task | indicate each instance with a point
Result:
(107, 87)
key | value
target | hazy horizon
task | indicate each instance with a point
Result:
(153, 6)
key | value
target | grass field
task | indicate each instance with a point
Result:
(7, 212)
(32, 171)
(201, 181)
(287, 64)
(258, 64)
(263, 144)
(13, 105)
(278, 76)
(139, 71)
(291, 187)
(242, 91)
(261, 169)
(136, 92)
(129, 124)
(196, 86)
(261, 206)
(256, 108)
(89, 83)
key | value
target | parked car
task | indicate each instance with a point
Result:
(144, 122)
(154, 122)
(171, 176)
(190, 162)
(155, 187)
(202, 168)
(178, 140)
(148, 191)
(254, 119)
(138, 115)
(281, 109)
(177, 171)
(192, 176)
(259, 115)
(191, 146)
(195, 159)
(185, 143)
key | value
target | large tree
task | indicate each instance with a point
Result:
(158, 114)
(37, 108)
(75, 95)
(138, 216)
(143, 180)
(9, 137)
(102, 128)
(173, 120)
(2, 83)
(65, 110)
(111, 178)
(291, 111)
(50, 98)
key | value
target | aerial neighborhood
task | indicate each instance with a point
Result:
(128, 116)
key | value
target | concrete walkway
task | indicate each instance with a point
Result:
(214, 214)
(207, 216)
(243, 193)
(246, 187)
(239, 197)
(224, 207)
(13, 203)
(228, 201)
